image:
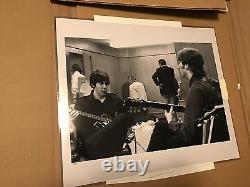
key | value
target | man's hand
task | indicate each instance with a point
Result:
(73, 113)
(169, 115)
(160, 86)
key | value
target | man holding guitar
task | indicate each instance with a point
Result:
(101, 127)
(202, 97)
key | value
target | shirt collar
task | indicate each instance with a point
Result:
(196, 79)
(94, 99)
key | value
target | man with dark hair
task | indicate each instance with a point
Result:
(101, 127)
(76, 67)
(164, 78)
(202, 97)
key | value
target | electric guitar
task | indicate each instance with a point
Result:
(104, 119)
(101, 121)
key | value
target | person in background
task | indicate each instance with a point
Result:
(164, 78)
(85, 88)
(77, 74)
(136, 89)
(202, 97)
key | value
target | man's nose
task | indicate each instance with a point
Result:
(104, 85)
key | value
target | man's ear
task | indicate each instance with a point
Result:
(186, 67)
(92, 86)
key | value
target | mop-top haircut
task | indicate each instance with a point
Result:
(98, 76)
(193, 59)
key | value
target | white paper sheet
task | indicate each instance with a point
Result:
(148, 22)
(86, 172)
(139, 132)
(165, 173)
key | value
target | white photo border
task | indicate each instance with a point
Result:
(86, 172)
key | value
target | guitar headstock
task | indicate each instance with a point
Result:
(133, 106)
(133, 102)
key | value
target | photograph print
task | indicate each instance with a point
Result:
(138, 97)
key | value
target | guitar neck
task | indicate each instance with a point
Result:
(92, 116)
(165, 106)
(152, 104)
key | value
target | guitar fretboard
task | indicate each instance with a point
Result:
(92, 116)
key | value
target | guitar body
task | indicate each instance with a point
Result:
(102, 123)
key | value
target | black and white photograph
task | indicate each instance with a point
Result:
(141, 93)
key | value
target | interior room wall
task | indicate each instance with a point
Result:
(96, 56)
(144, 62)
(122, 74)
(120, 63)
(107, 64)
(92, 45)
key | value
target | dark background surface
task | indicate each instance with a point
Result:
(30, 140)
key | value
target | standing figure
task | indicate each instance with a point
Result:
(164, 78)
(136, 89)
(76, 76)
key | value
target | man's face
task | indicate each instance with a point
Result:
(180, 65)
(184, 70)
(101, 88)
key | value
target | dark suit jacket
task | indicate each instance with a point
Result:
(165, 76)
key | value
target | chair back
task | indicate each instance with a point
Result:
(207, 123)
